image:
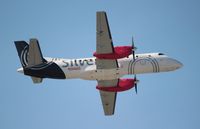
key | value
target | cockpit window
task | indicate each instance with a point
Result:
(161, 54)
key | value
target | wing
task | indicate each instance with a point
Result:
(103, 36)
(104, 45)
(108, 98)
(104, 42)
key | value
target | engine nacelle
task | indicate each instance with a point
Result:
(123, 85)
(119, 52)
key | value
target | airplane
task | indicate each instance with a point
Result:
(107, 67)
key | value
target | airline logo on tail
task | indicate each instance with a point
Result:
(24, 56)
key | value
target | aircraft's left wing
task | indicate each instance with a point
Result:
(103, 34)
(104, 44)
(108, 98)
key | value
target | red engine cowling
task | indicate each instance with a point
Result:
(123, 85)
(119, 52)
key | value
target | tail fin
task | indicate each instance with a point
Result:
(22, 49)
(30, 55)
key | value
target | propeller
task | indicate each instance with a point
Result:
(133, 48)
(135, 78)
(135, 85)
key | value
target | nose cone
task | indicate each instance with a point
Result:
(20, 70)
(178, 64)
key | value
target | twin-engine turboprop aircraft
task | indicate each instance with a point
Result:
(107, 66)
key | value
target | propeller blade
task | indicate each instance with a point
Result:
(136, 81)
(136, 88)
(135, 78)
(133, 43)
(133, 48)
(133, 55)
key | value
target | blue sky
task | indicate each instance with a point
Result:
(67, 29)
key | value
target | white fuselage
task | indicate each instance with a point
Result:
(85, 68)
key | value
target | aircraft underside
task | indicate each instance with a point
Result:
(107, 67)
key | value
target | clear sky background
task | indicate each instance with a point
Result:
(67, 28)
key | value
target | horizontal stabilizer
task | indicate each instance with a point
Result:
(36, 80)
(35, 55)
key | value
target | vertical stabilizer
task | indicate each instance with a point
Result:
(22, 49)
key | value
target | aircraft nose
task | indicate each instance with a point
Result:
(178, 64)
